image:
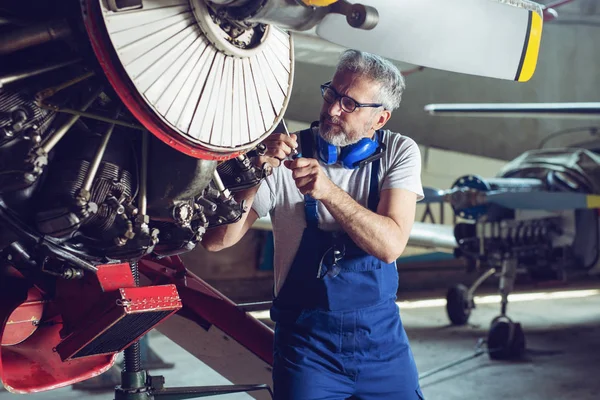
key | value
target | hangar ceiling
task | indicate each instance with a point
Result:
(568, 71)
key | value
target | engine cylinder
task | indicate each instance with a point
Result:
(66, 175)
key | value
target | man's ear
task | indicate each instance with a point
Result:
(382, 119)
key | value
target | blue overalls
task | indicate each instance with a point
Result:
(340, 336)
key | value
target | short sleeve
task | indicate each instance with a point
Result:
(264, 200)
(404, 166)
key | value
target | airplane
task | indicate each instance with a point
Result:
(126, 126)
(538, 216)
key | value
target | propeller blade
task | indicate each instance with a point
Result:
(433, 195)
(548, 201)
(491, 38)
(585, 111)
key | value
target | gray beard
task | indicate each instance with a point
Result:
(340, 139)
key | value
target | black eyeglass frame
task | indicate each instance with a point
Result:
(339, 97)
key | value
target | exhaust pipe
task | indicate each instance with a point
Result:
(33, 36)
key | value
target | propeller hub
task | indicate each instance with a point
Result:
(232, 37)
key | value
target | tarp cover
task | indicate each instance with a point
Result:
(562, 169)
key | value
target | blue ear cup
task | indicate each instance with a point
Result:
(328, 153)
(350, 156)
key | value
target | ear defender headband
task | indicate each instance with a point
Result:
(354, 156)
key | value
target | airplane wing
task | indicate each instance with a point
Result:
(436, 236)
(574, 110)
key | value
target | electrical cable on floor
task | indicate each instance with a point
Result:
(479, 350)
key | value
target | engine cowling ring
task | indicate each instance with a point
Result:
(248, 93)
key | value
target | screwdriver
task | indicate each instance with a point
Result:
(295, 153)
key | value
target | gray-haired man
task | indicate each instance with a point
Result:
(341, 215)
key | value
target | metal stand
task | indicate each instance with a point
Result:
(137, 384)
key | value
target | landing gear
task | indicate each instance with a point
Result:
(459, 299)
(459, 304)
(506, 340)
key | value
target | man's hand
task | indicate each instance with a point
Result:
(310, 178)
(279, 147)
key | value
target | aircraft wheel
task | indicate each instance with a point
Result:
(458, 305)
(506, 340)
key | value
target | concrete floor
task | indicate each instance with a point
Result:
(563, 357)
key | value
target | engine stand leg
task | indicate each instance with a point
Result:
(137, 384)
(133, 378)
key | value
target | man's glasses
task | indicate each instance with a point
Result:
(348, 104)
(332, 270)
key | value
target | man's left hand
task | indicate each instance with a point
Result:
(310, 178)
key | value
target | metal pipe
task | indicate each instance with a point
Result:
(51, 91)
(33, 72)
(89, 179)
(16, 246)
(143, 201)
(286, 14)
(97, 117)
(479, 281)
(257, 306)
(33, 36)
(218, 181)
(220, 185)
(60, 132)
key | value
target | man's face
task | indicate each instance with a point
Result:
(341, 128)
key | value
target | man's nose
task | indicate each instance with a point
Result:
(335, 108)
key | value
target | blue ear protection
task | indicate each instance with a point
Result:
(350, 157)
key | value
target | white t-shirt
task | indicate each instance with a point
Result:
(278, 196)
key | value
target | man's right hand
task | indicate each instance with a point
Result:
(279, 147)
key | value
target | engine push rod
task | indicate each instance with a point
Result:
(93, 170)
(42, 96)
(143, 200)
(6, 79)
(53, 140)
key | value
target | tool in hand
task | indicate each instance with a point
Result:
(295, 153)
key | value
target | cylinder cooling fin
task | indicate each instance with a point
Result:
(208, 87)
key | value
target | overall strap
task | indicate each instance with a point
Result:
(310, 205)
(374, 182)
